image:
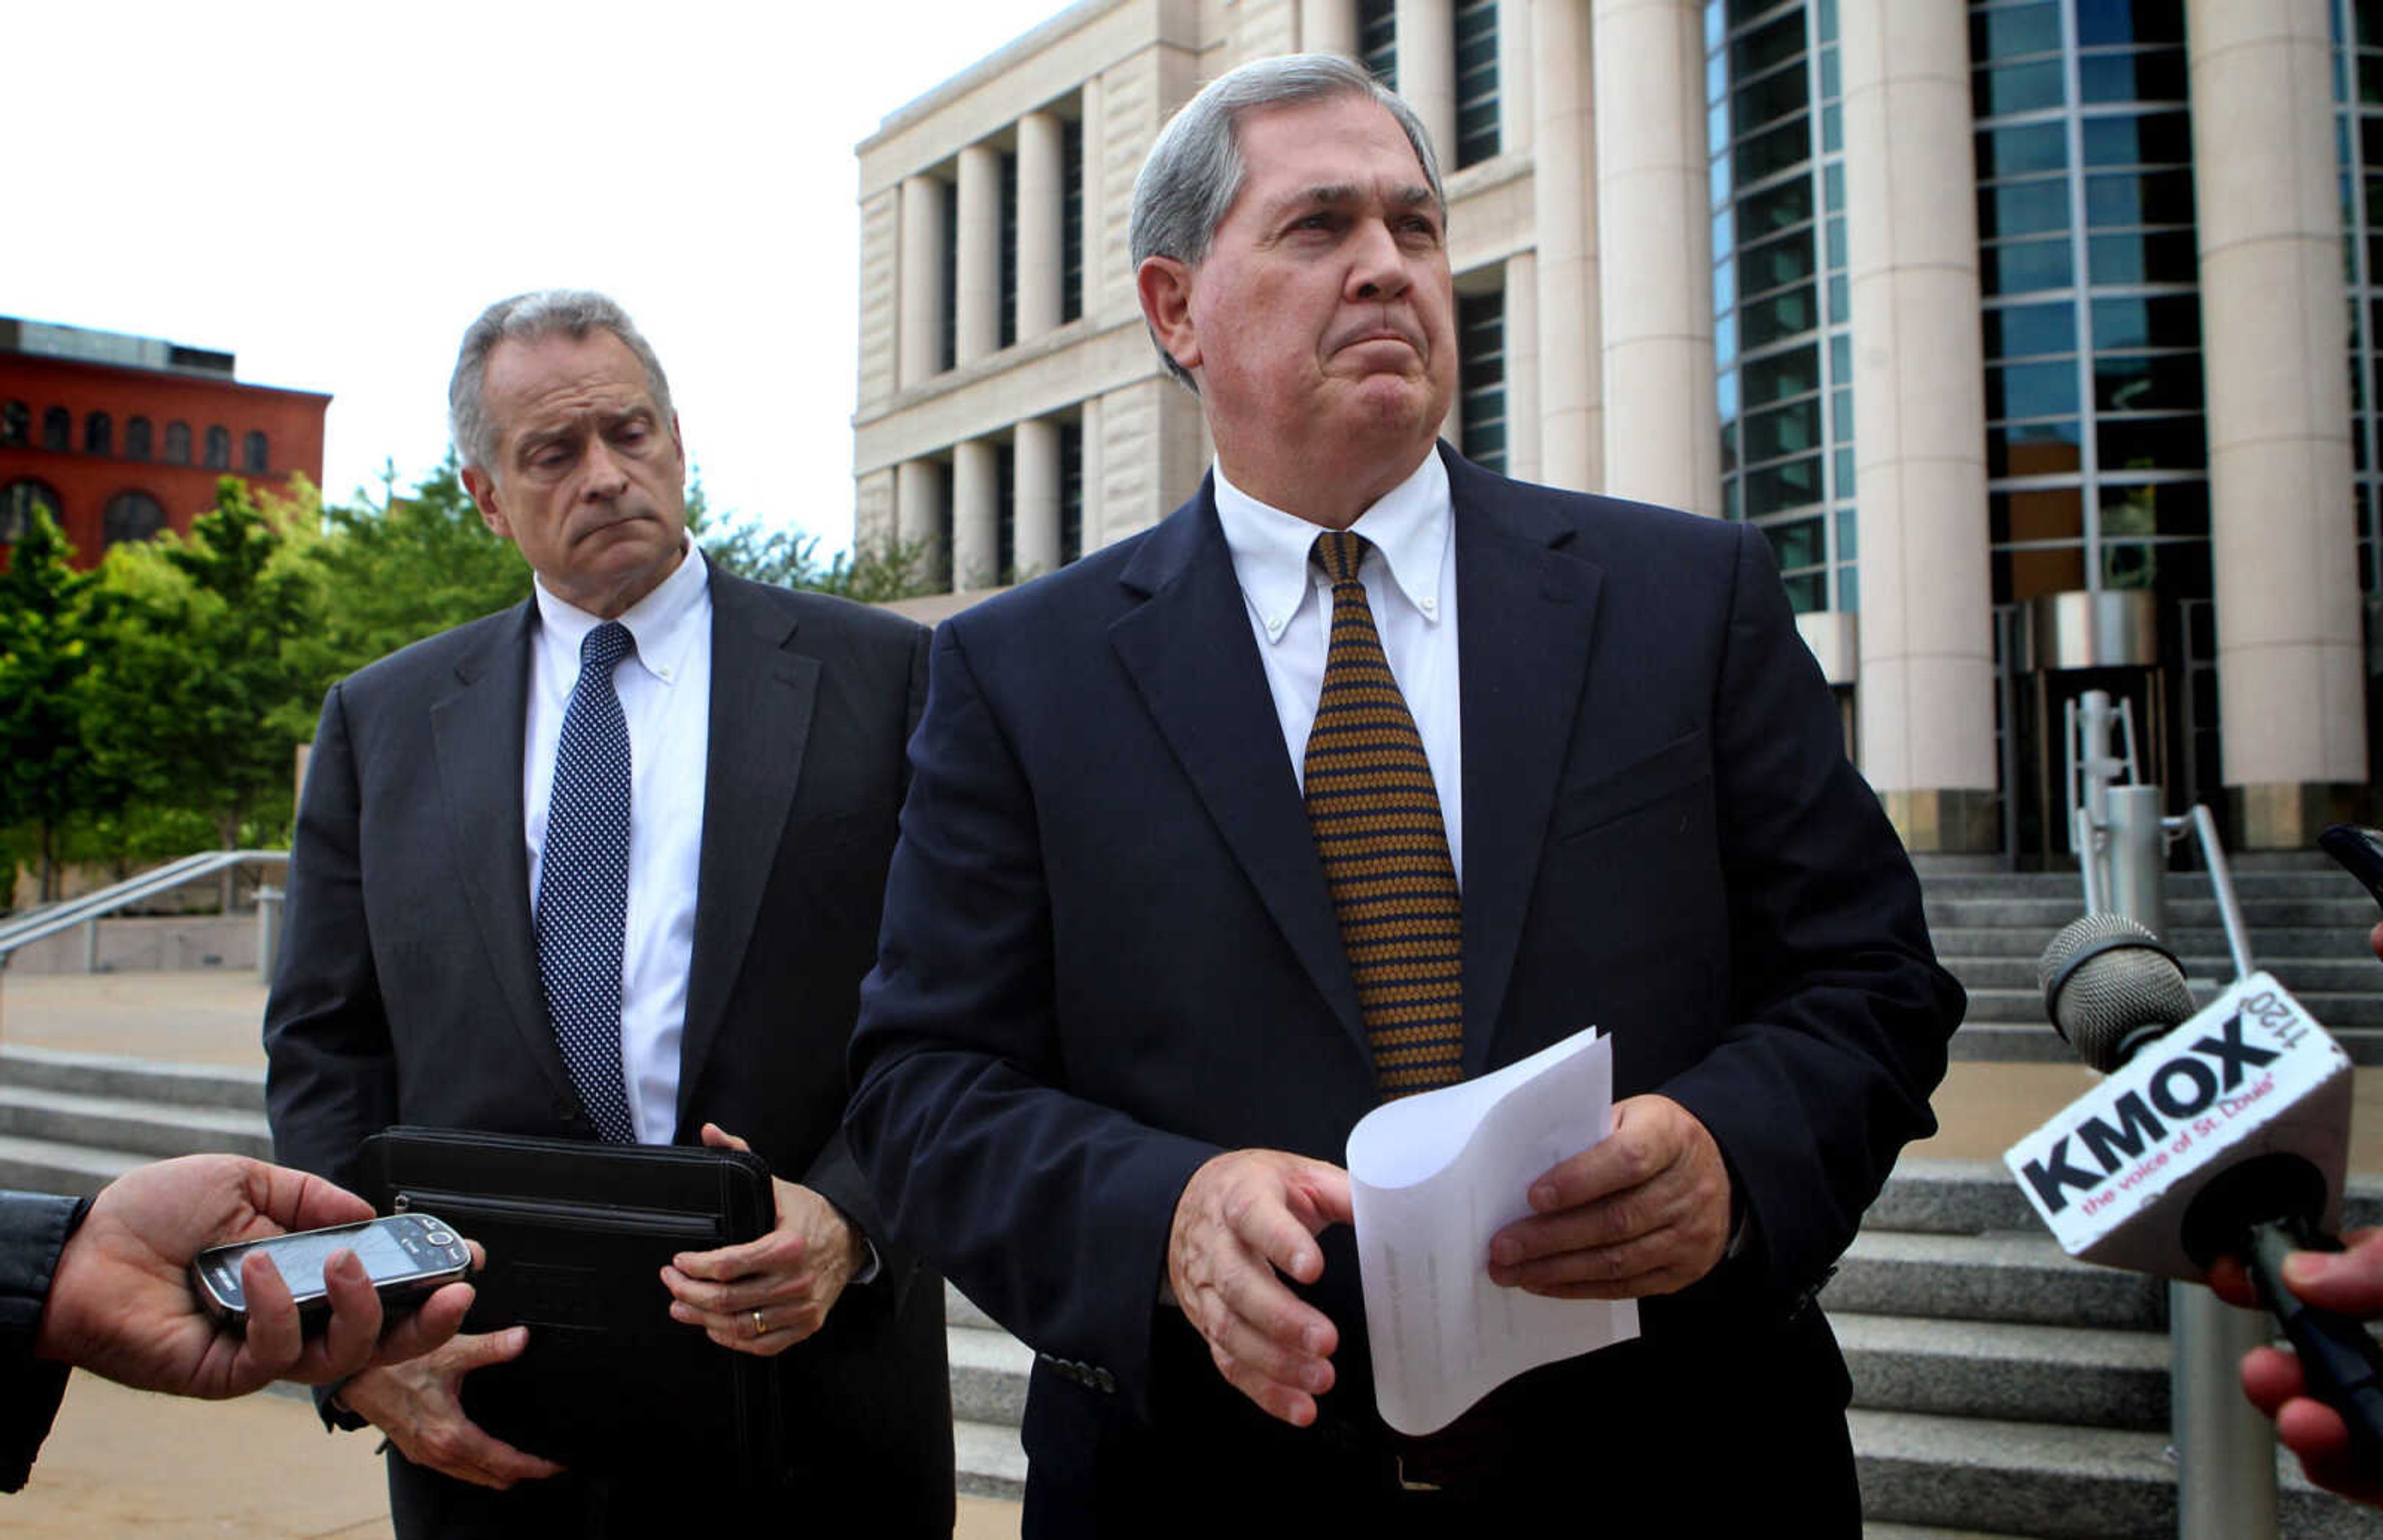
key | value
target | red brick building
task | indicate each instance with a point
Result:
(122, 436)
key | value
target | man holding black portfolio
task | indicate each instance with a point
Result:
(607, 867)
(1363, 772)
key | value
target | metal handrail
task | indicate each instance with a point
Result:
(59, 918)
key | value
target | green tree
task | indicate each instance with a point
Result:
(789, 558)
(44, 764)
(408, 569)
(195, 700)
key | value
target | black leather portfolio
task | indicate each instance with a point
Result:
(577, 1234)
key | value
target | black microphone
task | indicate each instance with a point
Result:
(2112, 990)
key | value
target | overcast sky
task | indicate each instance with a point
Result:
(332, 191)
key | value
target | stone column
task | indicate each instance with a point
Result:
(1329, 26)
(1034, 499)
(919, 517)
(921, 325)
(1042, 211)
(1523, 366)
(976, 515)
(1926, 686)
(1662, 429)
(1514, 111)
(2273, 333)
(1564, 139)
(1427, 53)
(977, 293)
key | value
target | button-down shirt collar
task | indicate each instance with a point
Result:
(1409, 524)
(664, 623)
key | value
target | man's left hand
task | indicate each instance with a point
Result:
(765, 1296)
(1643, 1211)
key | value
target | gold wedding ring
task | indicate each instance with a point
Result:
(760, 1328)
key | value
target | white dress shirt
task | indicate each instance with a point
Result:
(665, 690)
(1410, 578)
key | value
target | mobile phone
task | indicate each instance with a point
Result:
(2359, 851)
(408, 1256)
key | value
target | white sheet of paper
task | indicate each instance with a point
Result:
(1432, 1178)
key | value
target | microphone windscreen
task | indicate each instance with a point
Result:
(2105, 978)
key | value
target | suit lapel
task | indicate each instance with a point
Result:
(762, 692)
(479, 732)
(1526, 611)
(1190, 651)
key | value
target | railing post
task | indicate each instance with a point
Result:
(268, 931)
(91, 945)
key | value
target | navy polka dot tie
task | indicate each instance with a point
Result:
(583, 886)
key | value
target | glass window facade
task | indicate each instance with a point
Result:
(1008, 248)
(2096, 457)
(1071, 221)
(1378, 39)
(1476, 82)
(2358, 116)
(1071, 491)
(1481, 343)
(1005, 498)
(1781, 309)
(947, 279)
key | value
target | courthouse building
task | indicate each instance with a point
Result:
(2038, 336)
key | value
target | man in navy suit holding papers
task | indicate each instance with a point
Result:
(1221, 836)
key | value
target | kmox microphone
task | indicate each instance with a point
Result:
(2221, 1132)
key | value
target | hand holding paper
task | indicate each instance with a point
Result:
(1644, 1211)
(1434, 1178)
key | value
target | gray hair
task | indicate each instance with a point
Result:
(1195, 170)
(572, 312)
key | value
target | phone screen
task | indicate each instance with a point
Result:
(301, 1257)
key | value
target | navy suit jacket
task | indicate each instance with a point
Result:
(408, 987)
(1109, 953)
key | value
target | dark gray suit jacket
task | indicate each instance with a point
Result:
(408, 987)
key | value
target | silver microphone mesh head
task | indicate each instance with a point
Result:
(2105, 979)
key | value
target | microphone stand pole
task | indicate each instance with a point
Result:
(2225, 1450)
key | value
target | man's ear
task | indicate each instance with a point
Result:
(483, 488)
(1165, 286)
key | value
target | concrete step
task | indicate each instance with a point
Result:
(140, 1128)
(2052, 1482)
(991, 1461)
(2351, 911)
(1950, 1197)
(989, 1371)
(45, 1165)
(2323, 882)
(961, 1311)
(186, 1085)
(2334, 1010)
(2203, 947)
(2007, 1371)
(1978, 1197)
(2361, 975)
(2005, 1276)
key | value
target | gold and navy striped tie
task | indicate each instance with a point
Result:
(1375, 813)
